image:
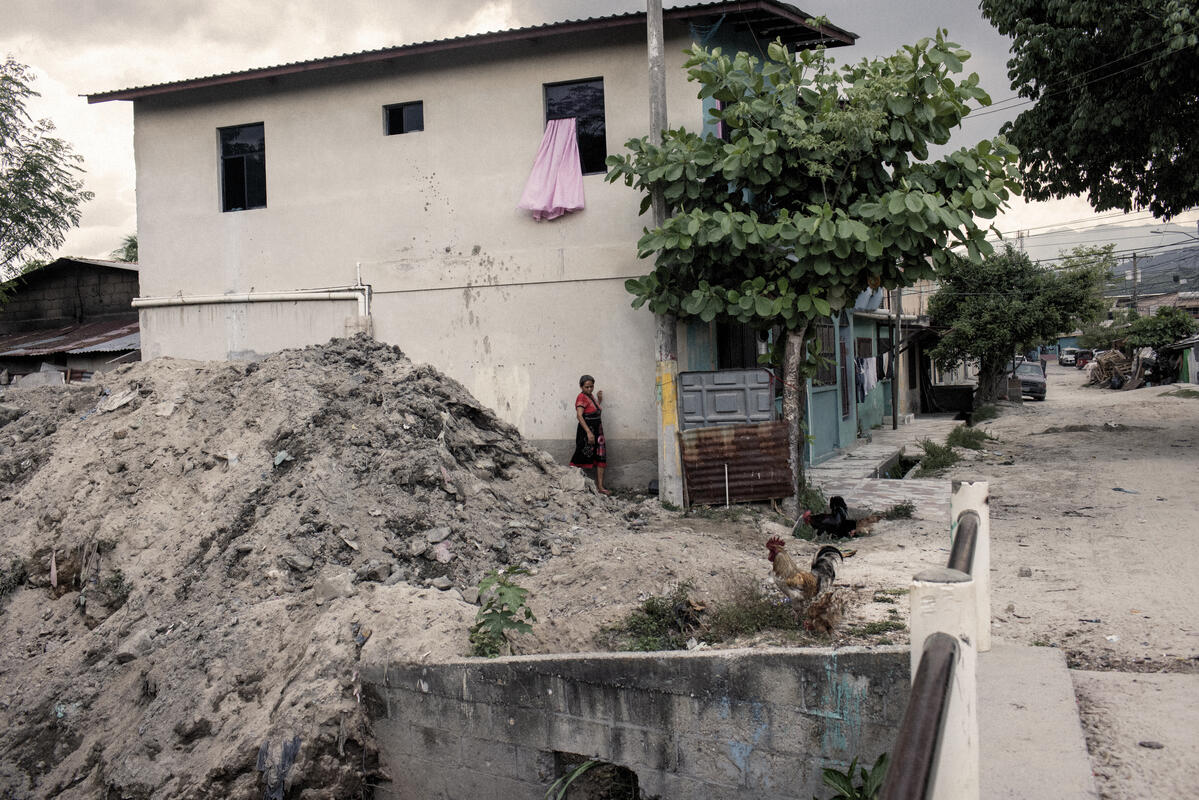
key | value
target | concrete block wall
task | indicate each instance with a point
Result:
(67, 295)
(744, 724)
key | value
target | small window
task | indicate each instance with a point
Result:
(583, 100)
(404, 118)
(243, 167)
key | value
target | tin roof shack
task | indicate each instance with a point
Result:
(67, 320)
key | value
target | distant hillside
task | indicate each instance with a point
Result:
(1176, 270)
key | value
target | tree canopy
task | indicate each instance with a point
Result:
(991, 309)
(1165, 327)
(819, 186)
(1116, 87)
(41, 190)
(127, 251)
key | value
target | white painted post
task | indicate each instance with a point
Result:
(975, 496)
(943, 600)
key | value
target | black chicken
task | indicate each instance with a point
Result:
(837, 523)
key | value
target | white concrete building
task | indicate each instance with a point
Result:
(377, 191)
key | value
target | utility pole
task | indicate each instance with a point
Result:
(670, 475)
(1134, 283)
(897, 302)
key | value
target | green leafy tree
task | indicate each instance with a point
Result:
(991, 309)
(504, 608)
(41, 191)
(1116, 108)
(1096, 336)
(127, 251)
(1166, 326)
(821, 186)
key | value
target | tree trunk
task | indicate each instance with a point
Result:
(989, 381)
(794, 409)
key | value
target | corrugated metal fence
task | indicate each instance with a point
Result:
(735, 463)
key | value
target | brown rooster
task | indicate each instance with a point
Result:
(798, 584)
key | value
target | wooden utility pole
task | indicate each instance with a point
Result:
(670, 476)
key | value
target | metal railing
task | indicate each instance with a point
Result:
(935, 755)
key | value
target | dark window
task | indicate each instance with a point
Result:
(864, 347)
(736, 346)
(583, 100)
(243, 167)
(826, 375)
(404, 118)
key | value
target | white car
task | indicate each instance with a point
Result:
(1066, 357)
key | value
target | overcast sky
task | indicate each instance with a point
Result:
(79, 47)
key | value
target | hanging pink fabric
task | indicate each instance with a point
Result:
(555, 185)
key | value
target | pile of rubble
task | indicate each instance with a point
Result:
(1109, 364)
(196, 555)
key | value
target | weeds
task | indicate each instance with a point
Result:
(504, 609)
(969, 438)
(877, 628)
(663, 622)
(12, 576)
(904, 510)
(729, 514)
(867, 786)
(116, 588)
(984, 413)
(749, 610)
(937, 457)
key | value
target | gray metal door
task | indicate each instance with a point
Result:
(726, 397)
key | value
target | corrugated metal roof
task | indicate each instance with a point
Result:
(786, 21)
(90, 337)
(755, 457)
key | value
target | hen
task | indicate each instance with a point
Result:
(836, 523)
(798, 584)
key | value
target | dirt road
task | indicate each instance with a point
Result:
(1094, 551)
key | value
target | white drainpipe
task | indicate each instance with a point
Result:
(361, 294)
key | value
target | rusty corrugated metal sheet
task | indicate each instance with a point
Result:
(109, 336)
(756, 457)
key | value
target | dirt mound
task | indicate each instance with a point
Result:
(196, 555)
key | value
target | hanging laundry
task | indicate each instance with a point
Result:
(555, 185)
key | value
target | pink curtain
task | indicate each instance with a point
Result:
(555, 185)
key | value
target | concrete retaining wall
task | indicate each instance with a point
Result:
(741, 724)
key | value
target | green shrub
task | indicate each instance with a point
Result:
(504, 609)
(662, 622)
(984, 413)
(969, 438)
(904, 510)
(937, 457)
(868, 786)
(748, 610)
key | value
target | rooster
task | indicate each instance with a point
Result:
(797, 584)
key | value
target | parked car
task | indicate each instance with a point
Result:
(1032, 380)
(1083, 357)
(1066, 357)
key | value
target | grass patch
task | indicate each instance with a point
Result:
(969, 438)
(877, 628)
(984, 413)
(662, 622)
(1192, 393)
(904, 510)
(880, 597)
(748, 610)
(730, 514)
(937, 458)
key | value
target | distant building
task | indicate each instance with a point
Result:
(67, 320)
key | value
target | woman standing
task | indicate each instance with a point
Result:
(590, 448)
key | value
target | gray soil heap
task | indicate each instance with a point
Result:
(196, 556)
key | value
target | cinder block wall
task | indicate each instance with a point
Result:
(744, 724)
(69, 295)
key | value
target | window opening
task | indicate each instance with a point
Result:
(403, 118)
(584, 101)
(243, 167)
(826, 334)
(736, 346)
